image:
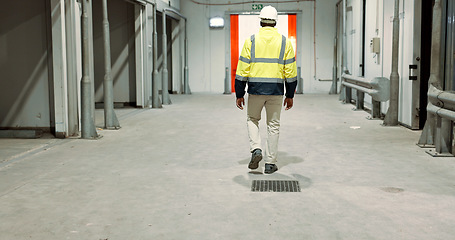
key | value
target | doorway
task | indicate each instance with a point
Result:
(425, 59)
(122, 36)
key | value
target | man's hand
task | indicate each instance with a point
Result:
(240, 102)
(288, 103)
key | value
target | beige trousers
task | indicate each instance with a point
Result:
(272, 104)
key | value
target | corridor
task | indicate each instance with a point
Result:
(181, 172)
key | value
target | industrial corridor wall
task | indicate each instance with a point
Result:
(208, 59)
(24, 65)
(377, 62)
(409, 53)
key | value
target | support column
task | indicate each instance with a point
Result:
(165, 78)
(345, 39)
(185, 69)
(299, 81)
(427, 136)
(91, 56)
(345, 91)
(391, 118)
(227, 83)
(156, 103)
(334, 88)
(87, 120)
(110, 119)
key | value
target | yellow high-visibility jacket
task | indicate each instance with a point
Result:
(267, 64)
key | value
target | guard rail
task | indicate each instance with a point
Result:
(442, 105)
(378, 88)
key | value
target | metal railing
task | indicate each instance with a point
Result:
(442, 106)
(378, 88)
(438, 130)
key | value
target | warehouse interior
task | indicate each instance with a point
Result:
(118, 121)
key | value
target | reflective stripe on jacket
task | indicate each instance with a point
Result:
(267, 64)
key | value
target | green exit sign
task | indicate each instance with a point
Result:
(255, 6)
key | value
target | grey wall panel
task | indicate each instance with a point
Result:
(24, 81)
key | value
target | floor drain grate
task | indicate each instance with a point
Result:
(275, 186)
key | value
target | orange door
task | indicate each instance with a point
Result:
(292, 31)
(234, 48)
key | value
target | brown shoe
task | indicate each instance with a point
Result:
(256, 157)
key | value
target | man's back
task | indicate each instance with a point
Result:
(269, 42)
(267, 61)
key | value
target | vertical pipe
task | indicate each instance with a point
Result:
(91, 56)
(110, 119)
(364, 3)
(334, 88)
(345, 41)
(451, 81)
(299, 81)
(165, 80)
(87, 123)
(391, 118)
(346, 91)
(227, 84)
(148, 35)
(377, 18)
(156, 103)
(449, 52)
(314, 39)
(186, 77)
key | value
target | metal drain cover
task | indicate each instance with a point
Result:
(275, 186)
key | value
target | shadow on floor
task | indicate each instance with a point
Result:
(283, 160)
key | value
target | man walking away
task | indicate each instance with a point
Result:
(267, 65)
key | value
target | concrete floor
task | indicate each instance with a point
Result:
(181, 173)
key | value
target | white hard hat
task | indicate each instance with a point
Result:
(268, 12)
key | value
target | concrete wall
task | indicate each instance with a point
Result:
(24, 84)
(207, 47)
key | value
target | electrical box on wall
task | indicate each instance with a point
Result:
(375, 45)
